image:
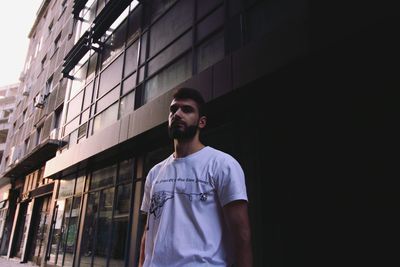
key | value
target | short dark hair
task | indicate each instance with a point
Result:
(193, 94)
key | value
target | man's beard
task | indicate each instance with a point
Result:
(182, 134)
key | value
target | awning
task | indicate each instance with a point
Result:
(34, 159)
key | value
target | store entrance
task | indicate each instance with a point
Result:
(40, 222)
(20, 231)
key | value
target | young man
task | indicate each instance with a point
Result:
(195, 200)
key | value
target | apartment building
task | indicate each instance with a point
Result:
(92, 107)
(7, 104)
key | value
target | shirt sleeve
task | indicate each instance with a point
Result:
(145, 207)
(231, 181)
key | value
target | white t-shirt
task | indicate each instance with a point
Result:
(183, 199)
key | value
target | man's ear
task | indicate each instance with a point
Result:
(202, 122)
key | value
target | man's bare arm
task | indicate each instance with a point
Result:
(237, 218)
(142, 247)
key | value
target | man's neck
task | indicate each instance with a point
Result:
(184, 148)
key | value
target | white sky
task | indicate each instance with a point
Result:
(16, 20)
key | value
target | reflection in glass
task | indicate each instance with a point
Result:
(72, 232)
(64, 227)
(103, 177)
(105, 118)
(103, 223)
(168, 78)
(126, 104)
(89, 229)
(210, 52)
(56, 230)
(125, 170)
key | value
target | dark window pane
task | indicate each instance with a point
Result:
(143, 47)
(125, 170)
(114, 44)
(123, 200)
(103, 223)
(168, 78)
(131, 58)
(134, 23)
(89, 229)
(157, 7)
(210, 24)
(172, 24)
(205, 6)
(64, 228)
(210, 52)
(111, 76)
(103, 177)
(180, 46)
(72, 232)
(92, 65)
(56, 230)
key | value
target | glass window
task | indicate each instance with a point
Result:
(131, 58)
(74, 106)
(85, 116)
(129, 83)
(143, 48)
(210, 52)
(205, 6)
(67, 186)
(127, 104)
(108, 99)
(159, 6)
(168, 78)
(71, 126)
(105, 118)
(80, 181)
(111, 76)
(210, 24)
(134, 23)
(179, 47)
(103, 231)
(103, 177)
(56, 232)
(92, 65)
(88, 95)
(72, 232)
(125, 170)
(88, 234)
(120, 226)
(114, 44)
(79, 80)
(171, 25)
(64, 227)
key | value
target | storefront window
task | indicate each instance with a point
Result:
(103, 177)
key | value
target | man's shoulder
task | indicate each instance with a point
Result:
(220, 155)
(159, 165)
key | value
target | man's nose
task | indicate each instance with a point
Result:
(178, 113)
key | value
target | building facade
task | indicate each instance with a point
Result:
(8, 95)
(92, 107)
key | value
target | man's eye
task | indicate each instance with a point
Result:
(187, 109)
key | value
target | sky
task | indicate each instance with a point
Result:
(16, 20)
